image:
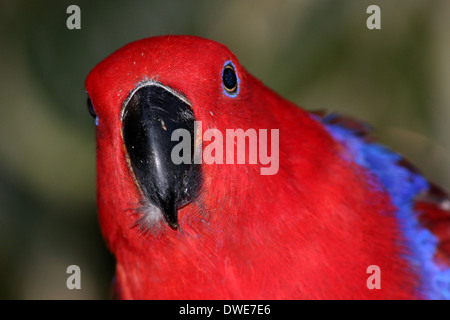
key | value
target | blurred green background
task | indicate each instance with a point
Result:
(318, 53)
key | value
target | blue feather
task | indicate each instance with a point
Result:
(403, 186)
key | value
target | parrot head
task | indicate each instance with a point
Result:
(140, 96)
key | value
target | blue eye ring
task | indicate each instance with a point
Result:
(230, 80)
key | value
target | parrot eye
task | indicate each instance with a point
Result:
(91, 110)
(230, 80)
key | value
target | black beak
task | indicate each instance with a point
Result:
(149, 118)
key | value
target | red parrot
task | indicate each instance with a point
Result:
(309, 224)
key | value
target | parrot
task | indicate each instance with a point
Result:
(192, 206)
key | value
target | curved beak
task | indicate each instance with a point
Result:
(149, 119)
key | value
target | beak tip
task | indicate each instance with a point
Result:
(171, 214)
(173, 225)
